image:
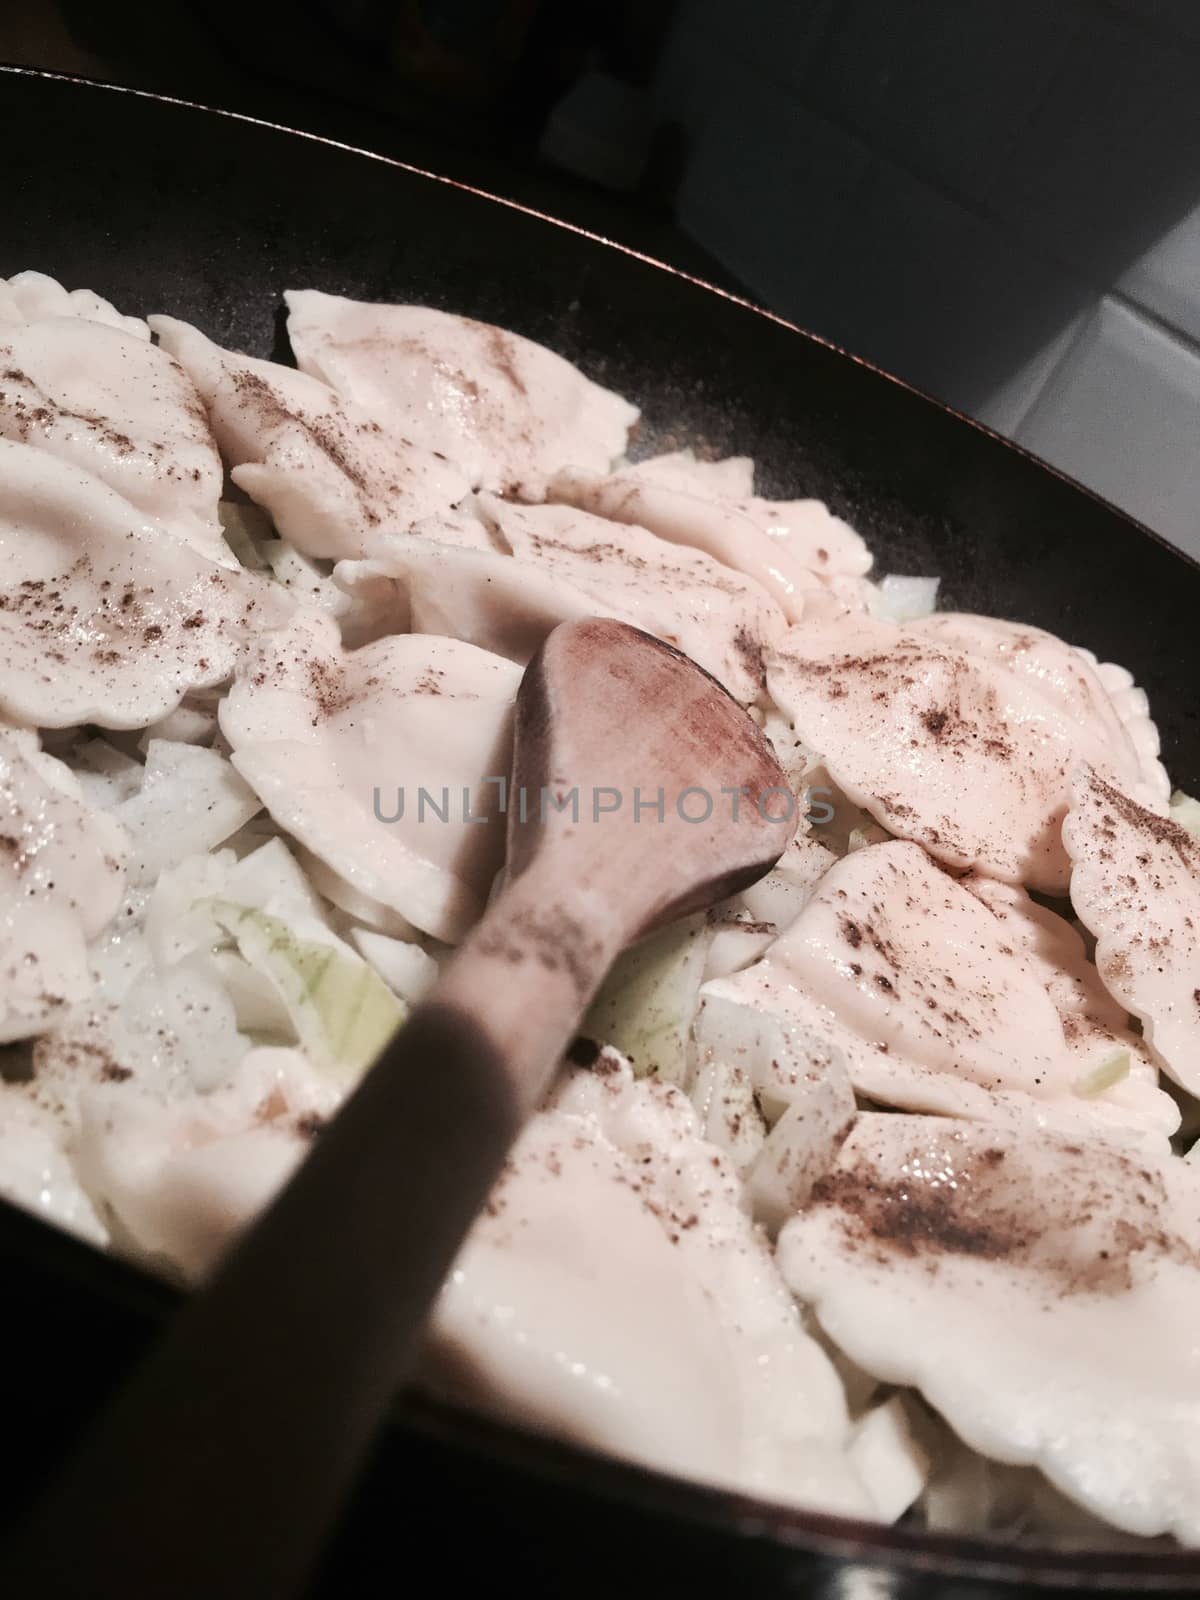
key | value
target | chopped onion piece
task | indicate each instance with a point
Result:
(730, 1117)
(901, 599)
(408, 971)
(191, 800)
(798, 1152)
(647, 1003)
(889, 1458)
(341, 1009)
(1108, 1073)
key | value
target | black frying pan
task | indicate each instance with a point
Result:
(162, 206)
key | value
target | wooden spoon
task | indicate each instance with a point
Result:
(640, 791)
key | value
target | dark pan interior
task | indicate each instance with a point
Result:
(163, 207)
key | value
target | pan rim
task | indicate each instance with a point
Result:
(179, 102)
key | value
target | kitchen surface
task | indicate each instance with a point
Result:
(999, 202)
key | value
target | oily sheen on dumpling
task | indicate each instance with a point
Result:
(61, 875)
(934, 1000)
(341, 745)
(501, 407)
(949, 744)
(1136, 886)
(331, 475)
(105, 615)
(552, 563)
(615, 1291)
(120, 408)
(1040, 1291)
(31, 296)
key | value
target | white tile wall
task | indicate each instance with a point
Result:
(1122, 413)
(1166, 278)
(942, 296)
(1016, 393)
(950, 188)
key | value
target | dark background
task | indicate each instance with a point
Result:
(997, 200)
(463, 88)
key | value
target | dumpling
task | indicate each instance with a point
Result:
(566, 564)
(719, 530)
(615, 1292)
(180, 1177)
(933, 1001)
(331, 476)
(30, 296)
(809, 534)
(810, 562)
(428, 582)
(377, 760)
(1132, 705)
(37, 1172)
(719, 618)
(1041, 1291)
(501, 407)
(61, 879)
(950, 736)
(1100, 696)
(1116, 1074)
(106, 616)
(731, 478)
(118, 407)
(1136, 886)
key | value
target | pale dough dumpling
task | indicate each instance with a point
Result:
(377, 761)
(1041, 1291)
(1100, 696)
(947, 741)
(811, 563)
(552, 563)
(720, 530)
(105, 615)
(180, 1176)
(937, 1002)
(332, 476)
(121, 408)
(30, 296)
(731, 478)
(501, 407)
(1116, 1075)
(615, 1291)
(809, 533)
(61, 876)
(1136, 886)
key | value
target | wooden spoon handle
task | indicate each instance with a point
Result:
(222, 1465)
